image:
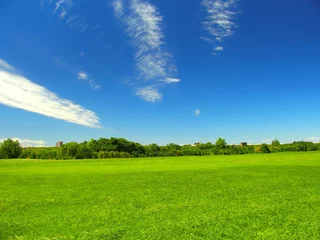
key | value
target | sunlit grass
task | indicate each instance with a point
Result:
(273, 196)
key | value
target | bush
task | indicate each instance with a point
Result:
(1, 154)
(221, 143)
(275, 143)
(265, 148)
(83, 152)
(103, 155)
(10, 149)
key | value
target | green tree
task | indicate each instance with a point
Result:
(92, 145)
(69, 150)
(221, 143)
(265, 148)
(10, 149)
(275, 143)
(83, 151)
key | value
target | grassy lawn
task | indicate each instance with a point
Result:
(274, 196)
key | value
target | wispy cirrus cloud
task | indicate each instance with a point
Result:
(19, 92)
(84, 76)
(171, 80)
(144, 25)
(118, 8)
(312, 139)
(65, 10)
(62, 7)
(5, 65)
(28, 142)
(149, 93)
(219, 21)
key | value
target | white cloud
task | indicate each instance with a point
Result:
(63, 13)
(172, 80)
(28, 142)
(71, 19)
(118, 8)
(81, 54)
(219, 23)
(62, 7)
(19, 92)
(197, 112)
(93, 85)
(312, 139)
(144, 25)
(149, 93)
(82, 75)
(219, 48)
(5, 65)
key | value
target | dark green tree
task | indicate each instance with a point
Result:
(83, 151)
(221, 143)
(10, 149)
(275, 143)
(69, 150)
(265, 148)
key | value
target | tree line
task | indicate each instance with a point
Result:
(121, 148)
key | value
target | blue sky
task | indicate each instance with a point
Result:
(160, 71)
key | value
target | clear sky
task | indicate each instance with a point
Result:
(160, 71)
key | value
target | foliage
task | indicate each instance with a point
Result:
(275, 143)
(121, 148)
(265, 148)
(10, 149)
(221, 143)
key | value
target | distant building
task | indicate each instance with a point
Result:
(244, 144)
(59, 144)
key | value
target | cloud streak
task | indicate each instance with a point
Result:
(144, 25)
(5, 65)
(84, 76)
(172, 80)
(62, 7)
(28, 142)
(149, 93)
(19, 92)
(219, 21)
(312, 139)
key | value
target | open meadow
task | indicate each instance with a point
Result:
(262, 196)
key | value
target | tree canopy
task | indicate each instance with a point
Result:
(10, 149)
(122, 148)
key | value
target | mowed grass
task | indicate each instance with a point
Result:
(272, 196)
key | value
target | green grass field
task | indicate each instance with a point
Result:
(274, 196)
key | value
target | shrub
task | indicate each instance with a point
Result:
(10, 149)
(275, 143)
(257, 149)
(265, 148)
(221, 143)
